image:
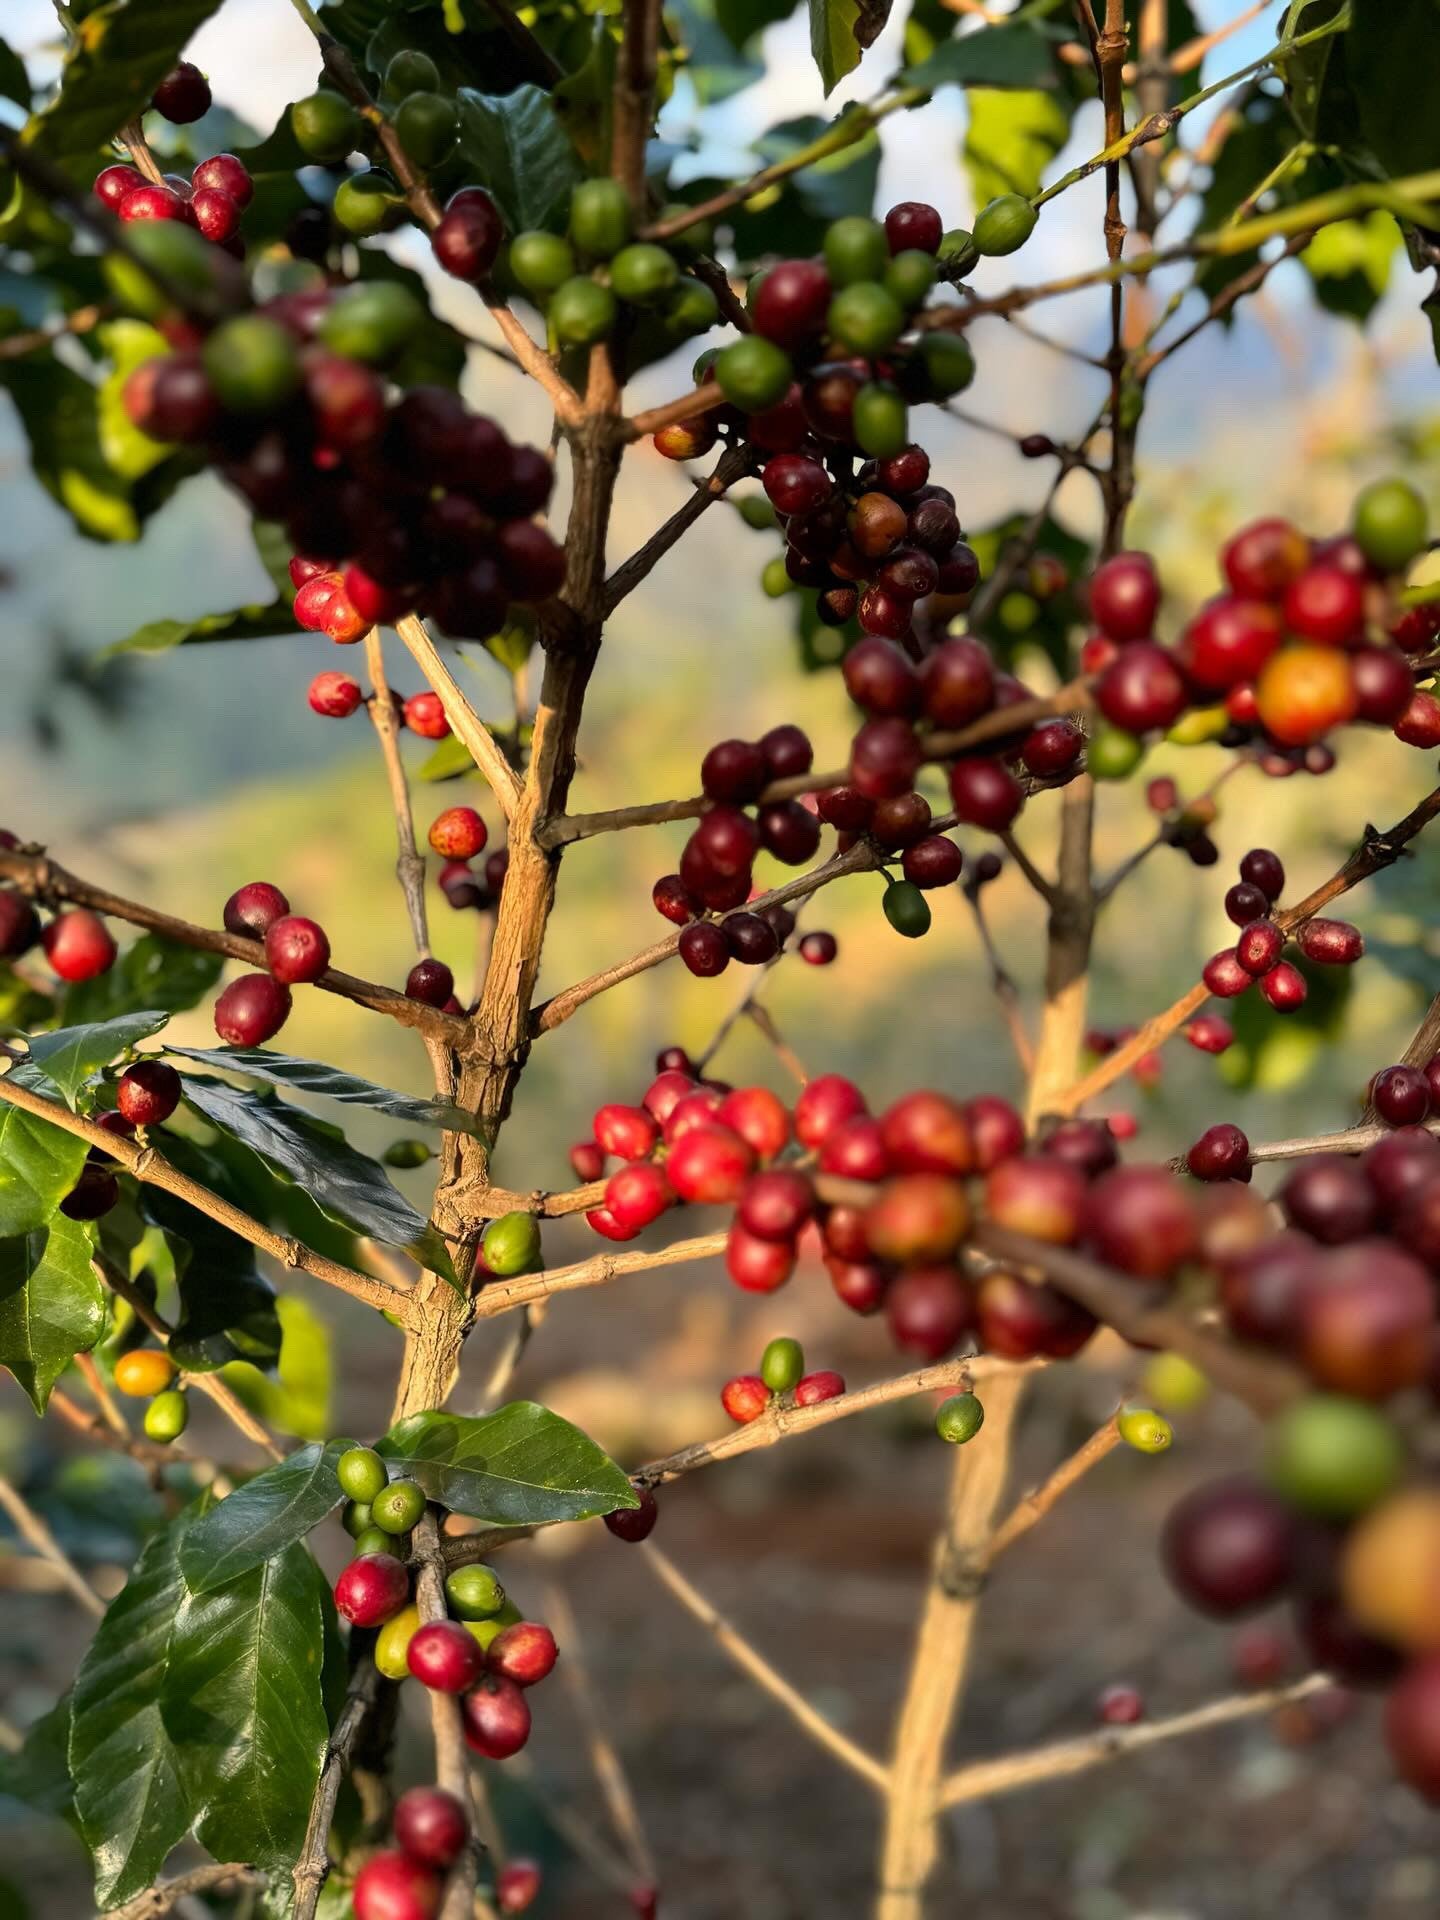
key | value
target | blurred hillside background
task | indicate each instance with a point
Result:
(176, 778)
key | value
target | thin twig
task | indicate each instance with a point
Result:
(34, 1531)
(165, 1895)
(313, 1865)
(733, 464)
(409, 862)
(465, 723)
(503, 1296)
(1002, 984)
(605, 1759)
(1032, 1509)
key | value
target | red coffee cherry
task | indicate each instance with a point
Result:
(928, 1133)
(525, 1652)
(431, 1826)
(1209, 1033)
(985, 794)
(708, 1165)
(1121, 1706)
(1125, 596)
(791, 303)
(78, 945)
(929, 1310)
(1229, 641)
(1142, 690)
(391, 1887)
(1330, 943)
(516, 1885)
(1366, 1320)
(1259, 947)
(775, 1205)
(442, 1655)
(183, 95)
(634, 1524)
(1141, 1220)
(372, 1589)
(1412, 1727)
(813, 1388)
(469, 235)
(637, 1195)
(148, 1093)
(251, 1010)
(458, 833)
(496, 1717)
(826, 1103)
(917, 1219)
(296, 950)
(745, 1398)
(1037, 1195)
(253, 909)
(425, 715)
(1261, 1288)
(756, 1265)
(225, 174)
(630, 1133)
(113, 183)
(1285, 987)
(1263, 558)
(1229, 1547)
(759, 1117)
(1327, 604)
(1224, 976)
(19, 925)
(1221, 1153)
(1017, 1321)
(1400, 1096)
(431, 982)
(1329, 1198)
(334, 696)
(93, 1194)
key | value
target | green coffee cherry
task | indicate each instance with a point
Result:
(960, 1419)
(357, 1518)
(365, 201)
(252, 364)
(692, 241)
(396, 1508)
(371, 322)
(511, 1245)
(865, 318)
(1113, 754)
(957, 251)
(601, 218)
(1333, 1456)
(361, 1473)
(1145, 1430)
(426, 125)
(756, 511)
(704, 367)
(410, 71)
(643, 274)
(909, 277)
(775, 582)
(1391, 524)
(407, 1153)
(167, 1416)
(509, 1614)
(1175, 1382)
(1017, 611)
(486, 1630)
(880, 421)
(949, 364)
(582, 312)
(326, 128)
(186, 260)
(782, 1364)
(855, 249)
(907, 909)
(691, 308)
(1005, 225)
(753, 373)
(392, 1643)
(541, 262)
(474, 1593)
(374, 1540)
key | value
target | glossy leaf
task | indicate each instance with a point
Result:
(38, 1166)
(260, 621)
(313, 1076)
(71, 1056)
(51, 1304)
(519, 1466)
(152, 972)
(1390, 61)
(515, 143)
(14, 81)
(834, 43)
(60, 414)
(340, 1179)
(129, 1797)
(263, 1517)
(243, 1708)
(1001, 56)
(1010, 139)
(227, 1309)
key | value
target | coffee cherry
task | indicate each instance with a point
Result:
(1004, 225)
(1037, 1195)
(753, 373)
(856, 1151)
(855, 248)
(1224, 976)
(524, 1652)
(1400, 1096)
(985, 794)
(1302, 692)
(1328, 1198)
(1261, 868)
(1412, 1727)
(795, 483)
(1384, 684)
(1389, 1566)
(1259, 947)
(252, 364)
(760, 1119)
(1142, 690)
(1221, 1153)
(112, 184)
(473, 1592)
(390, 1886)
(392, 1643)
(1017, 1321)
(782, 1364)
(182, 96)
(708, 1165)
(334, 695)
(637, 1195)
(959, 1418)
(1366, 1321)
(1121, 1706)
(928, 1133)
(818, 949)
(929, 1310)
(885, 758)
(470, 232)
(166, 1417)
(1261, 1288)
(1144, 1430)
(826, 1103)
(817, 1387)
(19, 925)
(93, 1194)
(296, 950)
(775, 1205)
(78, 945)
(1141, 1220)
(996, 1130)
(733, 772)
(511, 1245)
(704, 950)
(1262, 559)
(516, 1886)
(444, 1656)
(634, 1524)
(431, 982)
(907, 909)
(1245, 903)
(458, 833)
(148, 1093)
(1327, 604)
(1209, 1033)
(745, 1398)
(1229, 1548)
(791, 301)
(251, 1010)
(756, 1265)
(372, 1590)
(1285, 987)
(361, 1473)
(1087, 1145)
(1333, 1457)
(630, 1133)
(144, 1372)
(1229, 641)
(1125, 596)
(1419, 724)
(254, 908)
(1390, 524)
(431, 1827)
(879, 678)
(917, 1219)
(397, 1506)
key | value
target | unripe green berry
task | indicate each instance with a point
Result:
(252, 363)
(407, 1153)
(474, 1593)
(756, 511)
(426, 125)
(1145, 1430)
(511, 1245)
(396, 1508)
(361, 1473)
(691, 308)
(357, 1518)
(1113, 754)
(601, 218)
(643, 274)
(167, 1416)
(1391, 524)
(960, 1419)
(326, 127)
(880, 420)
(582, 312)
(957, 252)
(372, 321)
(1333, 1456)
(365, 201)
(855, 248)
(374, 1540)
(865, 318)
(541, 261)
(410, 71)
(949, 364)
(910, 276)
(782, 1364)
(775, 582)
(704, 367)
(907, 909)
(753, 373)
(486, 1631)
(1005, 225)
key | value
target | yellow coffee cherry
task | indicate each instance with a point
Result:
(144, 1372)
(392, 1643)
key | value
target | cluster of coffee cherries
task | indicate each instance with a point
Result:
(146, 1095)
(1255, 959)
(1307, 636)
(212, 200)
(430, 1830)
(253, 1008)
(149, 1374)
(484, 1652)
(716, 867)
(782, 1381)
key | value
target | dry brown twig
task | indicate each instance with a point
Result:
(37, 1535)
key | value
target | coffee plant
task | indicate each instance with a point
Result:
(258, 315)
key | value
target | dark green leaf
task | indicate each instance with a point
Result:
(38, 1166)
(449, 759)
(227, 1310)
(70, 1056)
(520, 1466)
(262, 1518)
(51, 1304)
(14, 81)
(128, 1792)
(1390, 59)
(340, 1179)
(118, 55)
(834, 39)
(515, 144)
(39, 1774)
(151, 972)
(1003, 56)
(1010, 139)
(60, 413)
(232, 1170)
(1316, 79)
(256, 622)
(313, 1076)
